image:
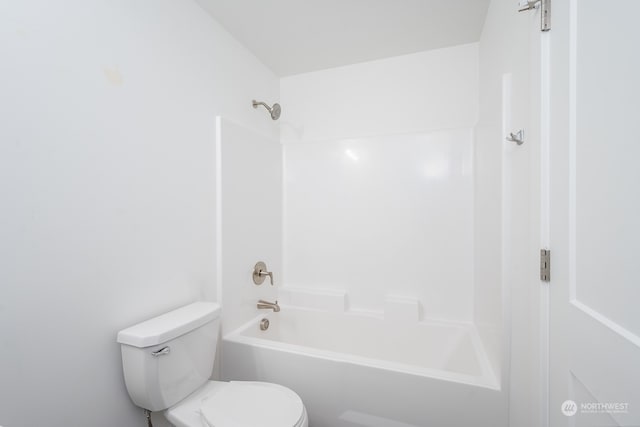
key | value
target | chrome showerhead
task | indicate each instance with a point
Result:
(274, 111)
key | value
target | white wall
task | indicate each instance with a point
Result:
(505, 189)
(107, 187)
(378, 185)
(432, 90)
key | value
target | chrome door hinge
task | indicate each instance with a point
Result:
(545, 265)
(545, 11)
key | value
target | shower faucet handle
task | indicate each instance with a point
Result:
(260, 272)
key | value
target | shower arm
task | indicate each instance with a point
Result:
(256, 103)
(274, 110)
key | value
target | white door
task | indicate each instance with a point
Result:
(593, 165)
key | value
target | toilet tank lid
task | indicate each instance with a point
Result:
(169, 325)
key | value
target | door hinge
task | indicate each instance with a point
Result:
(545, 265)
(545, 11)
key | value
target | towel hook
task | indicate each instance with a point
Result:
(517, 137)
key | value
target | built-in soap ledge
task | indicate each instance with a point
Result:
(314, 298)
(401, 309)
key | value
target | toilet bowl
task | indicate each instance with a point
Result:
(168, 360)
(239, 404)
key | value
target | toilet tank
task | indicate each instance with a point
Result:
(170, 356)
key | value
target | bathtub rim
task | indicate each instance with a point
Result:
(486, 380)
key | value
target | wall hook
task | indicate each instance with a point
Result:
(517, 137)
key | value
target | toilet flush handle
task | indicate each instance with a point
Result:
(161, 352)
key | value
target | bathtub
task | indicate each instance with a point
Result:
(355, 369)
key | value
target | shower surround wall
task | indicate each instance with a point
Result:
(378, 185)
(249, 217)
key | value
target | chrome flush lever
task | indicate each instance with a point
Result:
(260, 273)
(162, 351)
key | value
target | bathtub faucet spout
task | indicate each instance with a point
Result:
(268, 305)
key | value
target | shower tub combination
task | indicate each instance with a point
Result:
(354, 369)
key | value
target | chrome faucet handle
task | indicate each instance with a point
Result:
(260, 273)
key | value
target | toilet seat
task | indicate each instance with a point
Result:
(239, 404)
(251, 404)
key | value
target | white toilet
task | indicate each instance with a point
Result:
(167, 363)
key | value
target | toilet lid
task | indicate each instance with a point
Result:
(251, 404)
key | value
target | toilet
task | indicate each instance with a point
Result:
(167, 362)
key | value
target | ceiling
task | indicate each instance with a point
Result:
(297, 36)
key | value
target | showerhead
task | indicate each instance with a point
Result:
(274, 111)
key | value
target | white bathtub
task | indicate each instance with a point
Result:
(358, 370)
